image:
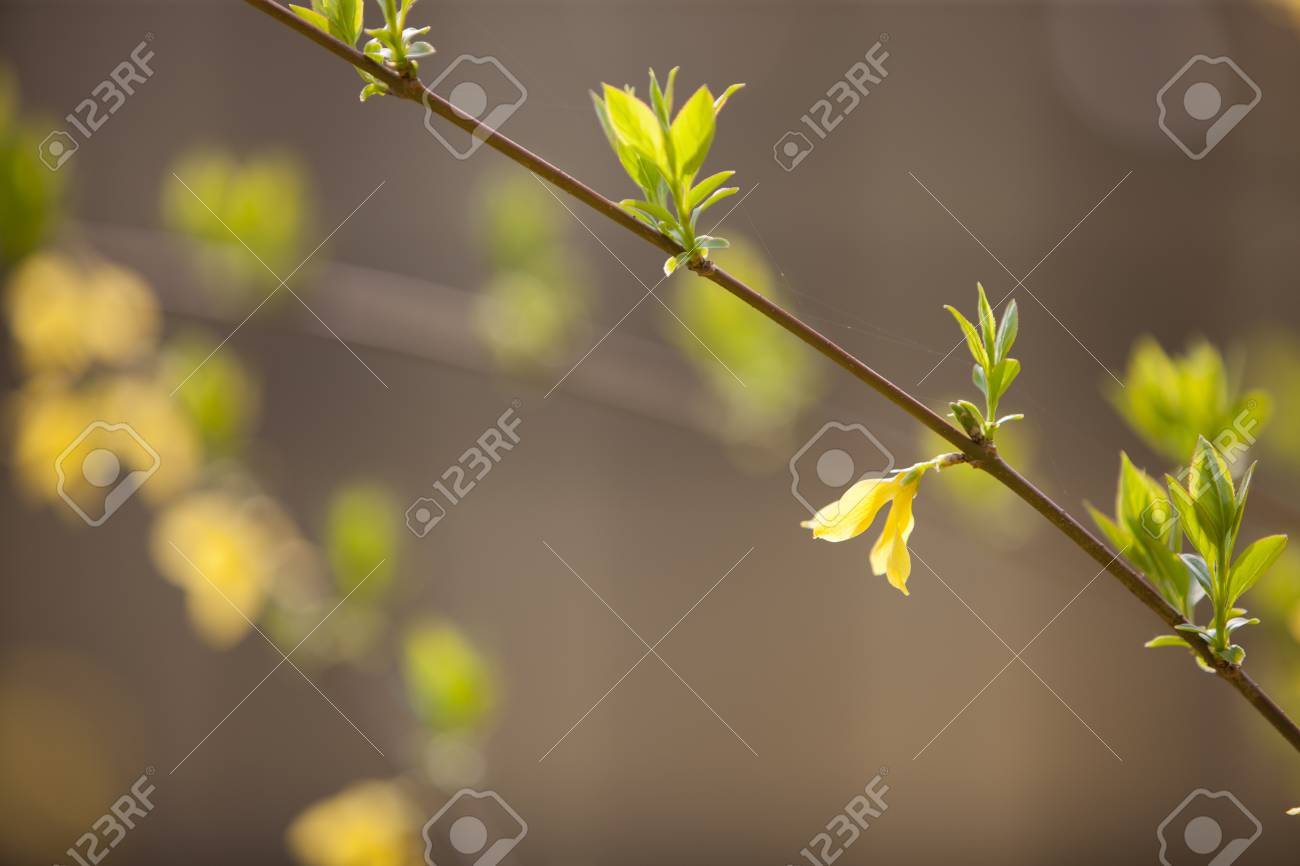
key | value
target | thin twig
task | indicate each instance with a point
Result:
(981, 455)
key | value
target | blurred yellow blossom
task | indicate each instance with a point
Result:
(369, 823)
(48, 415)
(223, 551)
(856, 510)
(66, 316)
(45, 416)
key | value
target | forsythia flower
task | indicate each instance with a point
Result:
(856, 510)
(225, 554)
(369, 823)
(66, 316)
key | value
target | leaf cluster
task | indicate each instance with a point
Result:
(1210, 509)
(663, 154)
(1172, 400)
(394, 44)
(994, 370)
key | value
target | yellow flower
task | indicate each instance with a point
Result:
(66, 316)
(223, 551)
(369, 823)
(856, 510)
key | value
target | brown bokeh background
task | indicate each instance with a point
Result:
(1019, 117)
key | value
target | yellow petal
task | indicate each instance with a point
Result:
(854, 512)
(889, 555)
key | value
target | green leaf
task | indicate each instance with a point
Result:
(973, 341)
(1237, 622)
(1119, 537)
(657, 213)
(675, 262)
(1233, 655)
(1167, 640)
(692, 132)
(1243, 490)
(1252, 563)
(669, 87)
(312, 17)
(635, 125)
(977, 376)
(419, 49)
(663, 111)
(704, 188)
(704, 242)
(1009, 369)
(1007, 332)
(969, 417)
(1137, 501)
(1200, 572)
(1193, 520)
(726, 94)
(725, 192)
(637, 168)
(1210, 484)
(988, 324)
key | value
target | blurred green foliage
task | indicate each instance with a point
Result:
(30, 194)
(220, 395)
(1002, 517)
(1274, 362)
(222, 204)
(778, 378)
(1170, 401)
(362, 529)
(537, 298)
(450, 685)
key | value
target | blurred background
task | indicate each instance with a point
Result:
(440, 463)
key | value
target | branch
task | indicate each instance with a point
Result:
(979, 454)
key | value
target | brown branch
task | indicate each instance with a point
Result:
(981, 455)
